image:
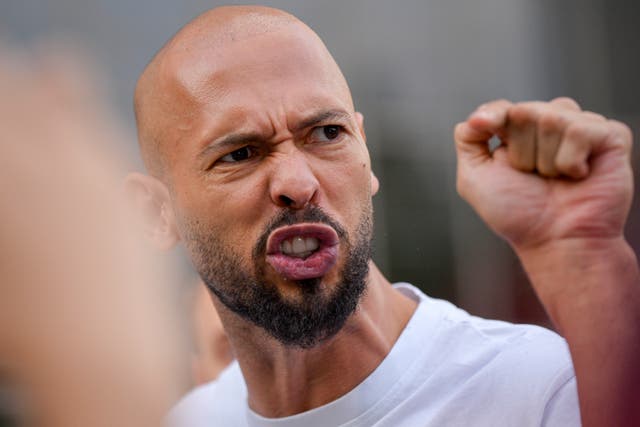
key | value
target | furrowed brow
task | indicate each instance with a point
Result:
(241, 139)
(230, 141)
(321, 117)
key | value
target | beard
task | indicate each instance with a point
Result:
(318, 313)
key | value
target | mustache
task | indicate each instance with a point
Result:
(290, 217)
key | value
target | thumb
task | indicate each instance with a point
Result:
(472, 136)
(472, 145)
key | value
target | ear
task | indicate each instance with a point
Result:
(150, 198)
(360, 121)
(375, 184)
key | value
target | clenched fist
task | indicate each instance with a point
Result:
(560, 172)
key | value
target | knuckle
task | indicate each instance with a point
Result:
(519, 114)
(461, 127)
(502, 102)
(590, 115)
(563, 99)
(458, 130)
(566, 102)
(497, 103)
(621, 135)
(622, 130)
(550, 122)
(527, 112)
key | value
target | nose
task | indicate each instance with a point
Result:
(293, 184)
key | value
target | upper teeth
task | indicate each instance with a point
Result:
(299, 246)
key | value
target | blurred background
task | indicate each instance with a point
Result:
(415, 69)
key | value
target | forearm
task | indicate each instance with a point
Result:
(597, 309)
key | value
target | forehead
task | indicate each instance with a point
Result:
(288, 69)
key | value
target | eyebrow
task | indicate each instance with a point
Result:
(244, 138)
(320, 117)
(230, 141)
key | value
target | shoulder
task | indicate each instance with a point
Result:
(527, 366)
(470, 339)
(458, 330)
(222, 399)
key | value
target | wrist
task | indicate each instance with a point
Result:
(581, 272)
(576, 250)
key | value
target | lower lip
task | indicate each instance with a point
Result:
(315, 265)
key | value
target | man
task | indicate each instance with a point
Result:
(258, 164)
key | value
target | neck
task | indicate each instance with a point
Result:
(283, 381)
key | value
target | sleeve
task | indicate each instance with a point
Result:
(563, 409)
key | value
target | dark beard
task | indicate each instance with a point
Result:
(317, 315)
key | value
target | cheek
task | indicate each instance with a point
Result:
(348, 189)
(233, 211)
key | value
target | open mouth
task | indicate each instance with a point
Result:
(299, 246)
(303, 251)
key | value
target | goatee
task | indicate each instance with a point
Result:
(318, 313)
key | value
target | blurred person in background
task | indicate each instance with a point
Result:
(211, 349)
(257, 162)
(88, 333)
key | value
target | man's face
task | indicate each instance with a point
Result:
(271, 184)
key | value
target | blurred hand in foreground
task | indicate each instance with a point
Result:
(87, 332)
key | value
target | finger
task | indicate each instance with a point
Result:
(551, 126)
(565, 103)
(620, 137)
(522, 134)
(594, 116)
(579, 141)
(491, 117)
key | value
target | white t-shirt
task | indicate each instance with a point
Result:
(447, 368)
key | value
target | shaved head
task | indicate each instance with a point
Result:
(168, 91)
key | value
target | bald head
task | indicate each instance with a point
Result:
(189, 71)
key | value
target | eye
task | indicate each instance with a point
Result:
(239, 155)
(326, 133)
